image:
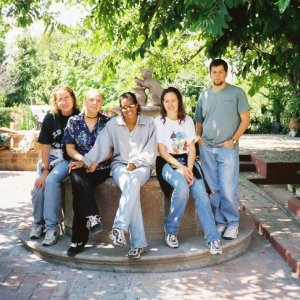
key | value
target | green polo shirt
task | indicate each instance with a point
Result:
(219, 112)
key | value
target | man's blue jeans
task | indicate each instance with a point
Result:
(47, 202)
(221, 169)
(129, 214)
(179, 200)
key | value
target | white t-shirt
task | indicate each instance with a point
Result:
(174, 135)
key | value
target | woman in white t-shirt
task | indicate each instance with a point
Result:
(176, 168)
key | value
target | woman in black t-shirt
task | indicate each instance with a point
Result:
(52, 169)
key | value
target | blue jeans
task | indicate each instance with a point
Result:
(47, 202)
(221, 169)
(129, 214)
(179, 199)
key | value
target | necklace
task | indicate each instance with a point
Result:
(91, 117)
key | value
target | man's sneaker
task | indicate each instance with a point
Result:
(118, 238)
(95, 224)
(221, 228)
(231, 233)
(135, 253)
(215, 247)
(171, 240)
(51, 237)
(37, 231)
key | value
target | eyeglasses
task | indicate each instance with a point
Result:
(64, 100)
(128, 106)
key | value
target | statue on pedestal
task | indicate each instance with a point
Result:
(155, 89)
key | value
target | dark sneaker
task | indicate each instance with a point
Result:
(221, 228)
(51, 237)
(135, 253)
(231, 233)
(118, 237)
(95, 224)
(171, 240)
(215, 247)
(75, 248)
(37, 231)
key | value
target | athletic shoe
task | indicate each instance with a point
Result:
(135, 253)
(118, 238)
(215, 247)
(75, 248)
(51, 237)
(95, 224)
(221, 228)
(231, 233)
(171, 240)
(37, 231)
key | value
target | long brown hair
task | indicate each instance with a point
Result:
(53, 97)
(181, 113)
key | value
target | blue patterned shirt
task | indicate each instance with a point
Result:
(78, 134)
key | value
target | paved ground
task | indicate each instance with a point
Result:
(260, 273)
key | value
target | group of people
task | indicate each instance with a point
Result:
(89, 146)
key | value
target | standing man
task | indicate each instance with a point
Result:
(222, 116)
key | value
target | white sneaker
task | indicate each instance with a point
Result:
(215, 247)
(231, 233)
(117, 236)
(221, 228)
(37, 231)
(51, 237)
(171, 240)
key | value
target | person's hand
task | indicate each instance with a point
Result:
(228, 144)
(92, 168)
(75, 165)
(40, 182)
(130, 167)
(187, 173)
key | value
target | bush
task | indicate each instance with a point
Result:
(20, 115)
(5, 117)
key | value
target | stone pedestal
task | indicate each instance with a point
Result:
(155, 207)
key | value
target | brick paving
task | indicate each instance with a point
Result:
(260, 273)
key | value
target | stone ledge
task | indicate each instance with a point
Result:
(191, 254)
(154, 204)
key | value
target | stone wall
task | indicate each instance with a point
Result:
(155, 207)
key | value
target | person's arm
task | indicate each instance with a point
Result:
(45, 152)
(199, 130)
(245, 121)
(101, 151)
(76, 156)
(148, 154)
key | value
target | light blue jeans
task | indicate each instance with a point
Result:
(179, 199)
(47, 202)
(129, 214)
(221, 169)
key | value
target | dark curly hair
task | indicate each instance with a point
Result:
(129, 95)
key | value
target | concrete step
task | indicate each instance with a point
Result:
(191, 254)
(246, 166)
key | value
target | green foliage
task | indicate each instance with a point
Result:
(21, 115)
(5, 117)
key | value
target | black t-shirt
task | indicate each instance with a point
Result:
(53, 130)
